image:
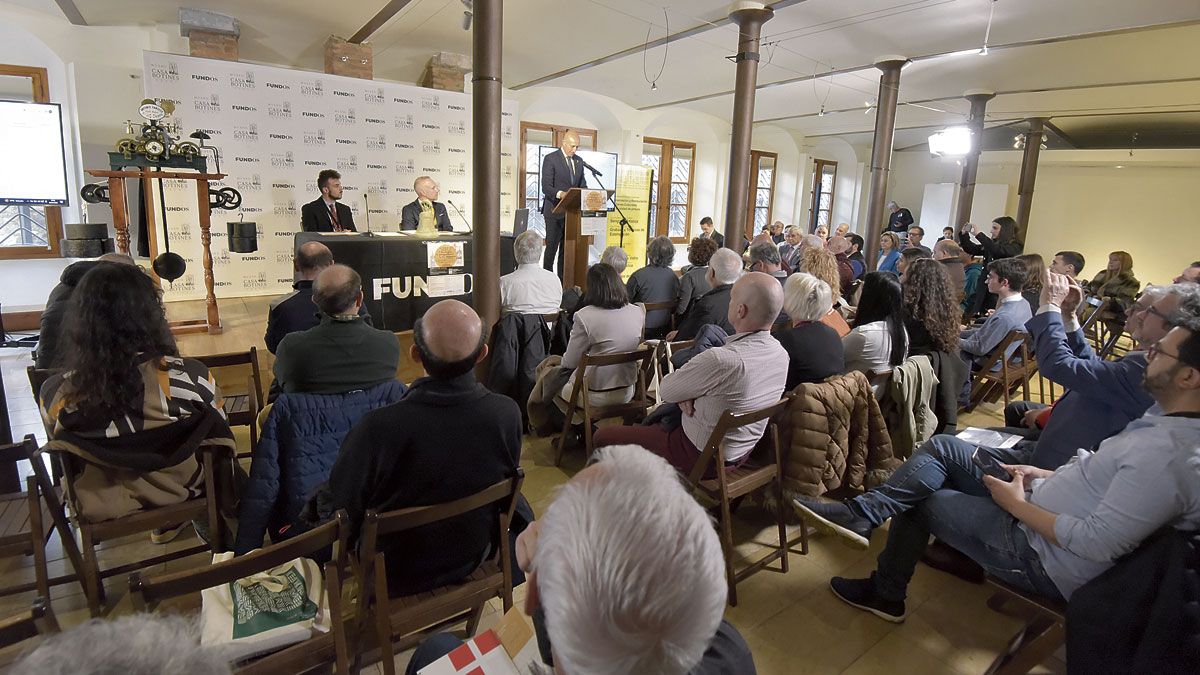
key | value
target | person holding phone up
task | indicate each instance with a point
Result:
(1045, 532)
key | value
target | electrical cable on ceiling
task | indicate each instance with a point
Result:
(666, 50)
(987, 34)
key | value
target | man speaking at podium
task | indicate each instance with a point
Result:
(427, 193)
(326, 214)
(561, 171)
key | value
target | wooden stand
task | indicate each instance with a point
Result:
(575, 243)
(116, 192)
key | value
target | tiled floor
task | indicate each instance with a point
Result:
(792, 622)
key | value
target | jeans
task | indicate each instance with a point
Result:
(1014, 419)
(940, 491)
(431, 649)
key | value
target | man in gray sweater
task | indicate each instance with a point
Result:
(1005, 278)
(1045, 532)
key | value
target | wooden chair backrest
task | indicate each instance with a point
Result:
(655, 306)
(714, 449)
(37, 378)
(246, 358)
(149, 590)
(642, 355)
(502, 495)
(996, 356)
(37, 620)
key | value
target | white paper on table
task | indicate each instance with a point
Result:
(988, 438)
(593, 226)
(446, 285)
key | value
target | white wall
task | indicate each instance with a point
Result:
(847, 184)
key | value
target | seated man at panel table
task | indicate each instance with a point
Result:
(529, 289)
(626, 510)
(1006, 278)
(341, 353)
(1044, 532)
(325, 214)
(447, 439)
(1102, 396)
(427, 191)
(744, 374)
(295, 311)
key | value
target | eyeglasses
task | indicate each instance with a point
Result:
(1167, 319)
(1155, 351)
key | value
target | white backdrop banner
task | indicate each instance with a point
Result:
(277, 128)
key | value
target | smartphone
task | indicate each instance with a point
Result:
(990, 466)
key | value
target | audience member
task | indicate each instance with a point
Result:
(1190, 274)
(694, 281)
(947, 234)
(1069, 263)
(139, 644)
(950, 255)
(397, 456)
(930, 309)
(972, 273)
(1035, 267)
(857, 261)
(1102, 396)
(709, 231)
(656, 282)
(777, 232)
(1046, 532)
(1002, 243)
(1006, 279)
(821, 264)
(915, 235)
(840, 248)
(741, 376)
(529, 289)
(814, 349)
(843, 230)
(606, 323)
(1117, 286)
(764, 257)
(878, 343)
(127, 404)
(342, 352)
(53, 316)
(889, 253)
(822, 232)
(724, 268)
(907, 256)
(616, 257)
(295, 311)
(789, 250)
(899, 218)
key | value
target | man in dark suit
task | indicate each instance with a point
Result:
(561, 171)
(296, 311)
(709, 231)
(326, 214)
(427, 193)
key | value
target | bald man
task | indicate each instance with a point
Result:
(295, 311)
(341, 353)
(427, 191)
(447, 439)
(561, 171)
(743, 375)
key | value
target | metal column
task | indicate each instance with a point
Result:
(749, 21)
(970, 163)
(1029, 166)
(486, 85)
(881, 150)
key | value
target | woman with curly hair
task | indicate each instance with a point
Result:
(694, 282)
(128, 405)
(823, 265)
(930, 308)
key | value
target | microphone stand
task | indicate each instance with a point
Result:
(612, 198)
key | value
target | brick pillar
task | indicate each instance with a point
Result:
(213, 45)
(446, 71)
(349, 59)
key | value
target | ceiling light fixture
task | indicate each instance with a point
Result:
(950, 142)
(467, 15)
(666, 50)
(987, 34)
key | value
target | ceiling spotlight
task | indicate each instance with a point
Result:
(987, 34)
(1120, 166)
(466, 22)
(653, 86)
(983, 51)
(950, 142)
(822, 113)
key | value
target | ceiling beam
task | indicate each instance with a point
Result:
(1062, 134)
(637, 49)
(384, 15)
(936, 55)
(71, 12)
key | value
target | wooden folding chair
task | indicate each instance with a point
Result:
(732, 484)
(25, 530)
(634, 409)
(241, 407)
(37, 621)
(147, 591)
(403, 615)
(668, 307)
(1042, 635)
(1013, 371)
(37, 377)
(93, 533)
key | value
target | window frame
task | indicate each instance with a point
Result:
(756, 157)
(815, 193)
(663, 183)
(557, 131)
(40, 81)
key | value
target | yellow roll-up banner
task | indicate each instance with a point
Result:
(633, 197)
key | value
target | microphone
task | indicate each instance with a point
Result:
(367, 207)
(587, 166)
(460, 215)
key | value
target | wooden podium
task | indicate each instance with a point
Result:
(575, 243)
(116, 190)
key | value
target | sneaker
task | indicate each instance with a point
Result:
(168, 533)
(836, 518)
(860, 593)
